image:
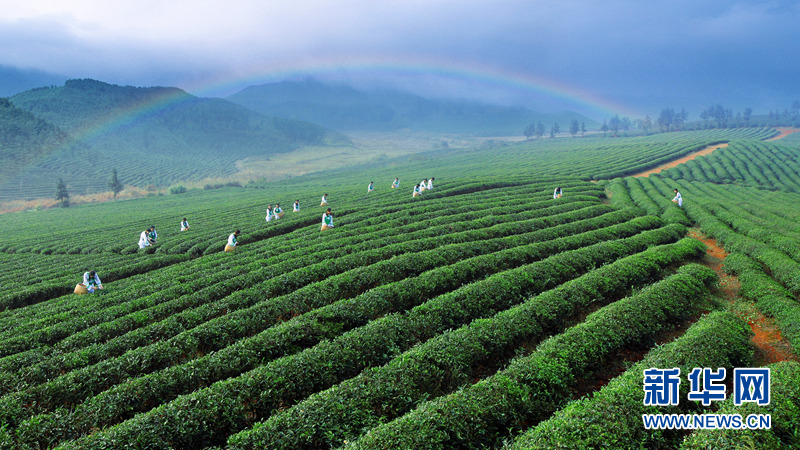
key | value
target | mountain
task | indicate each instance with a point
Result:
(152, 135)
(345, 108)
(26, 142)
(14, 80)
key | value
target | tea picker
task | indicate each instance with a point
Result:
(327, 220)
(231, 245)
(91, 283)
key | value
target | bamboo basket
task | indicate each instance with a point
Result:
(80, 288)
(229, 248)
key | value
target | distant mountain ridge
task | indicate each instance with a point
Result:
(153, 135)
(345, 108)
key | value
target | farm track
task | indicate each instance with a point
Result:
(767, 339)
(783, 132)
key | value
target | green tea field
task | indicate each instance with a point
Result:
(484, 313)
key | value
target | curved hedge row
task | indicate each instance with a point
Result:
(448, 361)
(612, 416)
(784, 409)
(532, 387)
(230, 405)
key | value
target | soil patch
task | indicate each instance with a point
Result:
(682, 160)
(769, 344)
(783, 132)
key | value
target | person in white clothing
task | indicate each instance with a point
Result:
(92, 281)
(396, 183)
(269, 213)
(144, 238)
(371, 186)
(277, 213)
(430, 184)
(324, 201)
(327, 220)
(296, 206)
(416, 191)
(423, 185)
(184, 224)
(232, 241)
(678, 199)
(557, 193)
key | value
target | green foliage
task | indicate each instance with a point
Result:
(612, 416)
(114, 184)
(461, 318)
(62, 194)
(784, 411)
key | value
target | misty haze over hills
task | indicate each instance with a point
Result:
(345, 108)
(14, 80)
(84, 129)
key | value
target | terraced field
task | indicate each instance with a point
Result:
(484, 313)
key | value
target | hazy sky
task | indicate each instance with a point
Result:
(626, 56)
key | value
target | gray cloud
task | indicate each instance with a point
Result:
(640, 54)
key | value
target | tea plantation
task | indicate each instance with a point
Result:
(483, 313)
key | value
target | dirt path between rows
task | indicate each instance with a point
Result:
(783, 132)
(770, 346)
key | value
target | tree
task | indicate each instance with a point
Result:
(647, 123)
(666, 119)
(62, 195)
(583, 128)
(530, 130)
(574, 127)
(614, 124)
(748, 112)
(539, 130)
(114, 183)
(604, 128)
(679, 118)
(554, 130)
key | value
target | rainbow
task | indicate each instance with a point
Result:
(478, 76)
(483, 76)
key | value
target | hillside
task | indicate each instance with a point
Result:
(154, 135)
(483, 313)
(345, 108)
(26, 144)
